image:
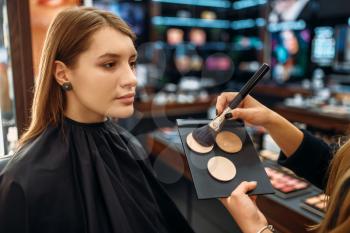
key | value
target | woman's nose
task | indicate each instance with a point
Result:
(130, 79)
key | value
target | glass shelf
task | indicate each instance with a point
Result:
(206, 3)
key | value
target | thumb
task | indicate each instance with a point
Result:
(245, 187)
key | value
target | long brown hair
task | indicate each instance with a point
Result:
(68, 36)
(337, 217)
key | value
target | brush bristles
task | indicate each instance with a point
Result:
(204, 135)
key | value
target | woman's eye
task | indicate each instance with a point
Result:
(109, 65)
(133, 65)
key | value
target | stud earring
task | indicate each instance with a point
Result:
(67, 86)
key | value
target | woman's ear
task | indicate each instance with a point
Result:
(60, 71)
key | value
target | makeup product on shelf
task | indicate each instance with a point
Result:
(209, 15)
(218, 62)
(228, 142)
(217, 173)
(221, 168)
(197, 36)
(205, 135)
(196, 63)
(286, 185)
(175, 36)
(316, 204)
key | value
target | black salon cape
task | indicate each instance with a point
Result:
(84, 178)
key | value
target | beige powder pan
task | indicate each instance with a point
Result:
(221, 168)
(196, 147)
(228, 142)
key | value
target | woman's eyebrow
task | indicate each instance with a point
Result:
(115, 55)
(109, 55)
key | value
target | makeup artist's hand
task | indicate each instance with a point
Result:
(250, 110)
(285, 134)
(243, 208)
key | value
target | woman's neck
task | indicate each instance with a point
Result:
(78, 112)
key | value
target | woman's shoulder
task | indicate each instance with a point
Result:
(15, 172)
(35, 156)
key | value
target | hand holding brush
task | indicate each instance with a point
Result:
(205, 135)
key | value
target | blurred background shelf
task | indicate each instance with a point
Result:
(151, 109)
(315, 118)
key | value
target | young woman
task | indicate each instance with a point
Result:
(306, 155)
(75, 170)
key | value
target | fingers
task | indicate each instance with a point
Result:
(236, 113)
(244, 187)
(240, 113)
(223, 100)
(241, 190)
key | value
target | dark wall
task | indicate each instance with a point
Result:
(334, 8)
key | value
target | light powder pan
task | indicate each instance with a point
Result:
(228, 142)
(196, 147)
(221, 168)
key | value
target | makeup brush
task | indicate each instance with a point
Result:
(205, 135)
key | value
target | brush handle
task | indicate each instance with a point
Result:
(246, 89)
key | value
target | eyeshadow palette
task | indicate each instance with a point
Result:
(316, 204)
(217, 171)
(286, 185)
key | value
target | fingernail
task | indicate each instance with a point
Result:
(228, 115)
(254, 182)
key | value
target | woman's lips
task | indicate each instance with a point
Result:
(127, 99)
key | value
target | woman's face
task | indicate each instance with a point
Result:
(103, 78)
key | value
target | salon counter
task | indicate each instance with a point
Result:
(285, 214)
(317, 118)
(274, 90)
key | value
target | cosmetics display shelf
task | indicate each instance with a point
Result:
(315, 117)
(285, 214)
(150, 109)
(339, 123)
(198, 29)
(203, 3)
(273, 90)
